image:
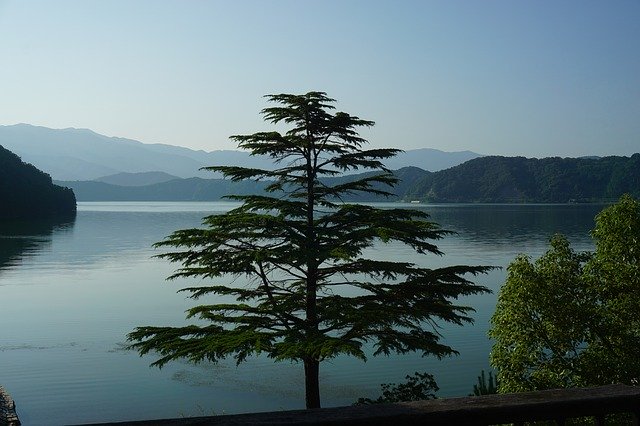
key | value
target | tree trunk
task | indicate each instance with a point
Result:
(311, 366)
(311, 383)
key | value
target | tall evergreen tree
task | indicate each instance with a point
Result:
(310, 294)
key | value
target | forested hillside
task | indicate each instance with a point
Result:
(26, 192)
(519, 179)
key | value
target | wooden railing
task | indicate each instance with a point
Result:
(556, 405)
(518, 408)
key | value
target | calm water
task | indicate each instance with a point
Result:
(70, 293)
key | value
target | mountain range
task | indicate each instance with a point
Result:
(81, 154)
(101, 168)
(490, 179)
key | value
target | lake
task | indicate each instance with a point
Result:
(70, 293)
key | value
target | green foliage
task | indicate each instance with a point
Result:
(28, 193)
(614, 275)
(418, 387)
(539, 323)
(570, 319)
(308, 292)
(484, 386)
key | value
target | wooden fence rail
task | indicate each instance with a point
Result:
(517, 408)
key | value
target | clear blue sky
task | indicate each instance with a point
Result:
(534, 78)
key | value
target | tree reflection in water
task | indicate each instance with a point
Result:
(21, 239)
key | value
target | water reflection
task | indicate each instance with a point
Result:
(22, 239)
(72, 291)
(485, 223)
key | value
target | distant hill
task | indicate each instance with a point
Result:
(191, 189)
(26, 192)
(80, 154)
(137, 179)
(518, 179)
(481, 180)
(429, 159)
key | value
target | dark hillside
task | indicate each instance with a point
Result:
(26, 192)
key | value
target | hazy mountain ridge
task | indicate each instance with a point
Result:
(136, 179)
(429, 159)
(481, 180)
(91, 155)
(190, 189)
(81, 154)
(126, 169)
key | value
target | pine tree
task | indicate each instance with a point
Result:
(300, 248)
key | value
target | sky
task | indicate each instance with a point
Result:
(532, 78)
